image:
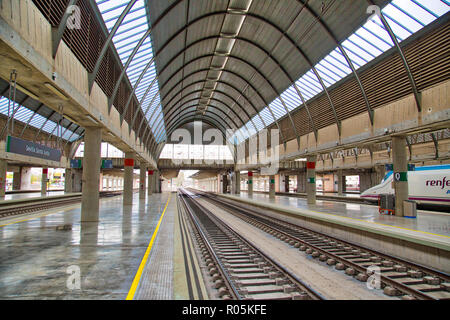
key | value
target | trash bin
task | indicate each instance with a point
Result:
(386, 203)
(409, 209)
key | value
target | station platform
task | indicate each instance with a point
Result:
(425, 239)
(29, 194)
(427, 221)
(133, 252)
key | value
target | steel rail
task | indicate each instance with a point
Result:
(279, 224)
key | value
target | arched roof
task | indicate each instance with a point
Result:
(246, 64)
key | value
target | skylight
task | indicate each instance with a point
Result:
(405, 17)
(25, 115)
(141, 71)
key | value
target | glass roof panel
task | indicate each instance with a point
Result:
(23, 114)
(277, 108)
(404, 17)
(291, 98)
(132, 29)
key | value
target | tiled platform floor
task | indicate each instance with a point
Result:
(39, 262)
(436, 223)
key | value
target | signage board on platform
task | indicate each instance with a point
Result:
(29, 148)
(107, 164)
(75, 163)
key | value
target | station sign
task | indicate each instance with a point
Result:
(390, 167)
(75, 163)
(128, 162)
(401, 176)
(310, 165)
(32, 149)
(107, 164)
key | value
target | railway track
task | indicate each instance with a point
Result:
(397, 277)
(33, 205)
(238, 269)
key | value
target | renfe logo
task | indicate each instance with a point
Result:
(438, 183)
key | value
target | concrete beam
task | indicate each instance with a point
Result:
(31, 55)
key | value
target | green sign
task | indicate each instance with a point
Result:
(401, 176)
(312, 180)
(272, 181)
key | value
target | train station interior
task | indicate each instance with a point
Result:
(224, 150)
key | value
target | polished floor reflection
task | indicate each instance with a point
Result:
(38, 260)
(436, 223)
(17, 196)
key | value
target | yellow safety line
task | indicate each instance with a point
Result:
(138, 275)
(381, 224)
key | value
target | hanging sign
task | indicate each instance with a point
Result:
(107, 164)
(310, 165)
(29, 148)
(75, 163)
(128, 162)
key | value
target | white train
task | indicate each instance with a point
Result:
(428, 185)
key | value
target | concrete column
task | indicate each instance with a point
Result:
(272, 187)
(286, 183)
(364, 181)
(301, 180)
(3, 168)
(224, 183)
(142, 176)
(311, 179)
(237, 182)
(340, 182)
(17, 179)
(25, 183)
(158, 182)
(44, 181)
(68, 180)
(378, 174)
(91, 174)
(128, 178)
(250, 184)
(400, 161)
(150, 182)
(277, 183)
(280, 183)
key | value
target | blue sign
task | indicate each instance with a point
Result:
(107, 164)
(29, 148)
(74, 163)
